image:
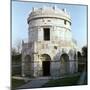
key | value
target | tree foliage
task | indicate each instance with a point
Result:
(13, 51)
(84, 51)
(79, 54)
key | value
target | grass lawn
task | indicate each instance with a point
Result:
(68, 81)
(16, 83)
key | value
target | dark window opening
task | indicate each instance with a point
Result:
(46, 33)
(70, 23)
(65, 22)
(55, 47)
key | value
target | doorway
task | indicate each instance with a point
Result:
(46, 68)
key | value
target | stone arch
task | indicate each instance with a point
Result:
(71, 54)
(27, 65)
(45, 57)
(46, 64)
(64, 64)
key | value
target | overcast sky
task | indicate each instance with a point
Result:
(21, 10)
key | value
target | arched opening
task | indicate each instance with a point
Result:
(27, 67)
(46, 64)
(64, 64)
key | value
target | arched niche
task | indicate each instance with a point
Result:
(46, 64)
(64, 64)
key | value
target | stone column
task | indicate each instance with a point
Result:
(71, 59)
(76, 63)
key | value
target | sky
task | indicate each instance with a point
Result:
(21, 10)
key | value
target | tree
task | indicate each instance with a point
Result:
(18, 46)
(78, 54)
(84, 55)
(84, 51)
(13, 51)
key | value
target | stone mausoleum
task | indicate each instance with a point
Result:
(50, 50)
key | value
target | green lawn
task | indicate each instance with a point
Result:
(16, 83)
(68, 81)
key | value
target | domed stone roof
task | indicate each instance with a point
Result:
(49, 12)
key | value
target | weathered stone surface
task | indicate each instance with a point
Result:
(58, 44)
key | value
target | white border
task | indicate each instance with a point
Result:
(5, 43)
(62, 1)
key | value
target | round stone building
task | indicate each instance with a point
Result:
(50, 50)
